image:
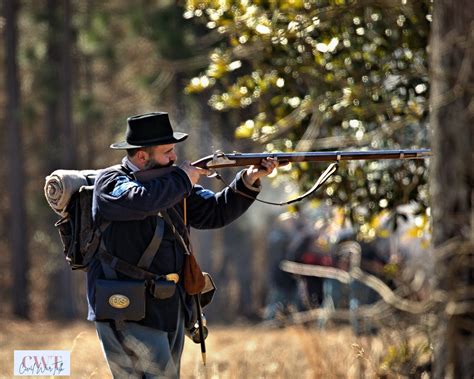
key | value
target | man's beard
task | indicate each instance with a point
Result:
(151, 164)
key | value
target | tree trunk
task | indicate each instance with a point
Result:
(60, 42)
(51, 81)
(452, 182)
(17, 221)
(89, 123)
(69, 143)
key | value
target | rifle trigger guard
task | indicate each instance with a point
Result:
(213, 173)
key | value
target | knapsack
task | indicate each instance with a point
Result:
(69, 194)
(79, 234)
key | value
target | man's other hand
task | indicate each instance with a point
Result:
(266, 167)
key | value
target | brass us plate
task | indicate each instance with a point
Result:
(119, 301)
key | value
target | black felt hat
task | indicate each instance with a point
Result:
(149, 129)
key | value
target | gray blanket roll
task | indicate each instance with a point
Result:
(62, 184)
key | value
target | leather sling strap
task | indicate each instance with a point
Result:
(330, 170)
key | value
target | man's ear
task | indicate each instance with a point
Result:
(141, 156)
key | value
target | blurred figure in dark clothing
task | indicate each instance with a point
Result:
(369, 260)
(336, 293)
(282, 294)
(307, 250)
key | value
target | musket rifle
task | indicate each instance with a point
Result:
(220, 159)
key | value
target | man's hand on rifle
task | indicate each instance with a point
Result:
(253, 173)
(194, 173)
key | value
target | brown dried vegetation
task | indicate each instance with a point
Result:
(243, 351)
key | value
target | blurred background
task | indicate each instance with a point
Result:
(253, 76)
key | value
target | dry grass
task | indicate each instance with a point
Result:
(233, 352)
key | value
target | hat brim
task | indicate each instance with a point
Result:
(177, 137)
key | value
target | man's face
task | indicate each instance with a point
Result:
(159, 156)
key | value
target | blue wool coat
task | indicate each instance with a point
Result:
(132, 208)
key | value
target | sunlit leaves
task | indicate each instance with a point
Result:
(199, 83)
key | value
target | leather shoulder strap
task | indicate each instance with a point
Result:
(154, 245)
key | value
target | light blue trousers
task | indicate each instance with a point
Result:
(157, 354)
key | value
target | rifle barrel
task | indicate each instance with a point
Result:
(219, 159)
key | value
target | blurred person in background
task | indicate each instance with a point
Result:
(310, 248)
(282, 297)
(369, 260)
(335, 292)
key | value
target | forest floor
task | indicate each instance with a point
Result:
(239, 351)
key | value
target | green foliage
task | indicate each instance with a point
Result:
(326, 75)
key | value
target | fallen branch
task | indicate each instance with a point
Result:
(410, 306)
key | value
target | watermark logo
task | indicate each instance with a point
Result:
(42, 363)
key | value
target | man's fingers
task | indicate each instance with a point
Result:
(203, 171)
(265, 168)
(270, 164)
